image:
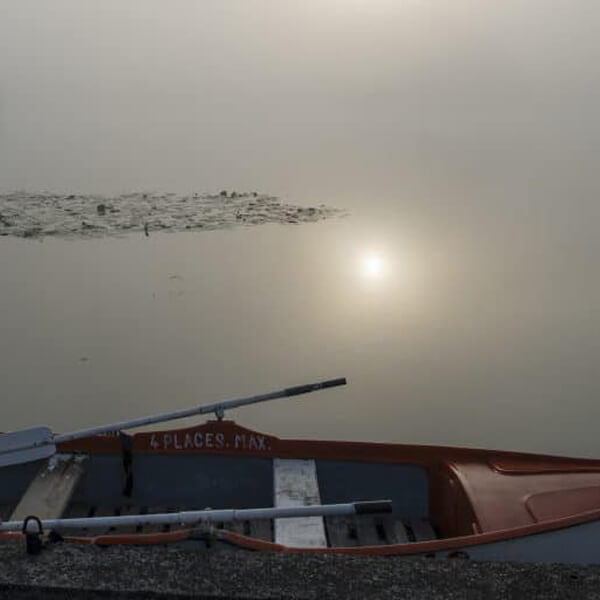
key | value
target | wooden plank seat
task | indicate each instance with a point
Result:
(295, 484)
(49, 493)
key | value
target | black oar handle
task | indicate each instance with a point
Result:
(312, 387)
(373, 506)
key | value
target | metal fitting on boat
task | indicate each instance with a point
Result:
(33, 539)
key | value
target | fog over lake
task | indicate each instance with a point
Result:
(460, 294)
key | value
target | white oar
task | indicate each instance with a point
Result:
(39, 442)
(199, 516)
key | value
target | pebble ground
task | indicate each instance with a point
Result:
(83, 572)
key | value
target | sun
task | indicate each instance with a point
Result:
(372, 265)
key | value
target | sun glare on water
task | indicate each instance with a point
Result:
(387, 272)
(372, 265)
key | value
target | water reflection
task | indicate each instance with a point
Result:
(373, 265)
(108, 329)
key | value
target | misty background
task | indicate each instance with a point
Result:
(464, 139)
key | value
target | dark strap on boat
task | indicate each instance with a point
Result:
(127, 460)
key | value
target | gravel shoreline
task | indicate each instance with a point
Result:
(83, 572)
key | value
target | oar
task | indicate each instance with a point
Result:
(39, 442)
(210, 515)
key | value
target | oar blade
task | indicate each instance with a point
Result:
(26, 446)
(19, 457)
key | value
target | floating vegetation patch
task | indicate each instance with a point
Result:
(31, 215)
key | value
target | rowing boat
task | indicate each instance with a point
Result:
(446, 502)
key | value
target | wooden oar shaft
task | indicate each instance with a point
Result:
(13, 445)
(197, 410)
(209, 516)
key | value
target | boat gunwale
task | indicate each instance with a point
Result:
(515, 462)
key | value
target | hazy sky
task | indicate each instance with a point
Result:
(497, 97)
(463, 135)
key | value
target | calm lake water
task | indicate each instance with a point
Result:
(100, 330)
(460, 297)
